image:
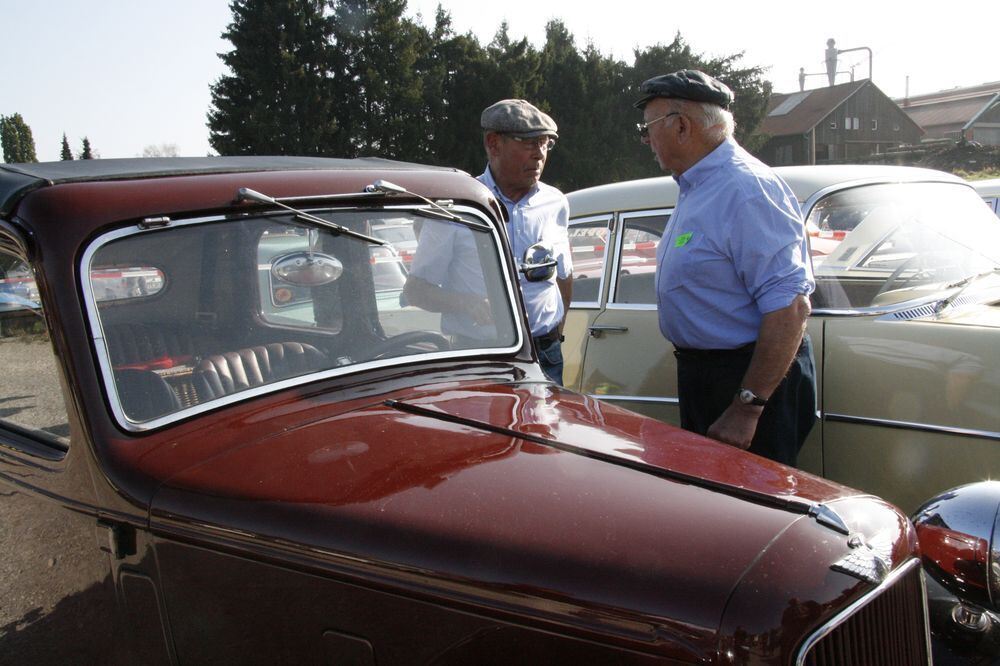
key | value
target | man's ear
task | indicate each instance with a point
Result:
(491, 141)
(684, 128)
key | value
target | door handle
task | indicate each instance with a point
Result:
(597, 330)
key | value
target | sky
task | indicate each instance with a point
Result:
(128, 74)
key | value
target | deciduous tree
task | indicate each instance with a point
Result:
(15, 136)
(356, 77)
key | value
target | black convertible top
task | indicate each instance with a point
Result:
(16, 180)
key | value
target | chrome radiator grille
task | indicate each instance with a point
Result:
(885, 628)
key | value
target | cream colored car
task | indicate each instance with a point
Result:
(989, 190)
(905, 324)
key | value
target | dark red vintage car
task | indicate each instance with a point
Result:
(228, 436)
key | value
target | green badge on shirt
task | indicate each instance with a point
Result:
(682, 240)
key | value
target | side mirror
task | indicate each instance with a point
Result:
(538, 264)
(959, 534)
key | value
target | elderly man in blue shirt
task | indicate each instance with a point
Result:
(733, 275)
(517, 138)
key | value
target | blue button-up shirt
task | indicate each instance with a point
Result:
(735, 250)
(542, 215)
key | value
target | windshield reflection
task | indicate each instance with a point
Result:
(880, 245)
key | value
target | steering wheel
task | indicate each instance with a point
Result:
(397, 344)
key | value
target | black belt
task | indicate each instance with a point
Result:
(716, 353)
(549, 338)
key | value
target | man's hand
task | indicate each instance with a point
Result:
(777, 343)
(478, 308)
(737, 425)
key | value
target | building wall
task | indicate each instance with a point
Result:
(986, 131)
(867, 123)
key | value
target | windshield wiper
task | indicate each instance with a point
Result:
(245, 193)
(963, 284)
(435, 210)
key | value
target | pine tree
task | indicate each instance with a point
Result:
(66, 153)
(85, 152)
(383, 55)
(277, 97)
(15, 136)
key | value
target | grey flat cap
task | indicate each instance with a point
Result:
(516, 116)
(686, 84)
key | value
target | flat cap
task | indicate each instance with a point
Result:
(686, 84)
(516, 116)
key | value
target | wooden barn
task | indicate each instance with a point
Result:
(837, 124)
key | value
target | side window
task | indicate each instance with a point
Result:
(588, 240)
(635, 282)
(31, 399)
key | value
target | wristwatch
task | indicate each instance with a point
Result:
(748, 397)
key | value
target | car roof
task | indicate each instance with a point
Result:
(651, 193)
(17, 180)
(989, 187)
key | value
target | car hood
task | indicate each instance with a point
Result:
(547, 499)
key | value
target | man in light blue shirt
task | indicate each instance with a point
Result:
(733, 275)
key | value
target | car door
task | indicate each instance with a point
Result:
(57, 594)
(627, 361)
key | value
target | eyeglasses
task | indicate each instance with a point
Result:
(644, 127)
(543, 142)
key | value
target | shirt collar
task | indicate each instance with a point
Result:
(706, 166)
(487, 179)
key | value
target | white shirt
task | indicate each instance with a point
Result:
(542, 215)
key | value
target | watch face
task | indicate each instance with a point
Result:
(748, 397)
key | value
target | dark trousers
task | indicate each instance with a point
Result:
(707, 382)
(550, 357)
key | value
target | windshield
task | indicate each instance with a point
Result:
(228, 308)
(880, 245)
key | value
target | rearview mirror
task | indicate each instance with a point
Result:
(307, 269)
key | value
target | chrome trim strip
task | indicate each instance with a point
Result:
(881, 310)
(907, 425)
(847, 613)
(635, 398)
(106, 372)
(638, 307)
(814, 198)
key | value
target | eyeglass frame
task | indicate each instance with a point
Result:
(644, 127)
(550, 143)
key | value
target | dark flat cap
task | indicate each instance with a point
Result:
(516, 116)
(686, 84)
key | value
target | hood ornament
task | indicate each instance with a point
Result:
(868, 561)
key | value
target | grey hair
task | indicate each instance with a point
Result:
(717, 122)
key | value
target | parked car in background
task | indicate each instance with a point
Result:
(989, 190)
(401, 234)
(905, 323)
(326, 475)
